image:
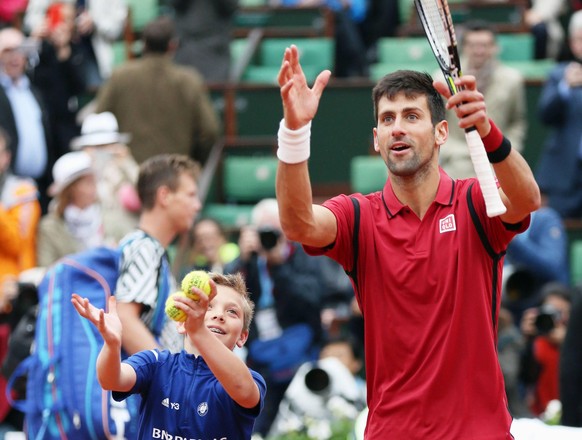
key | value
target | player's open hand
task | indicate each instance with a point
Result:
(108, 324)
(468, 103)
(300, 102)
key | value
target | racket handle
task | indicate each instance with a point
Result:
(493, 202)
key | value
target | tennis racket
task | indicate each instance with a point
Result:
(438, 27)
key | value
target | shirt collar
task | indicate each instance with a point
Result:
(444, 195)
(7, 83)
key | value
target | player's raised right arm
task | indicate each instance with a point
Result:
(301, 220)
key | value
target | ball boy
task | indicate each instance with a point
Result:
(205, 391)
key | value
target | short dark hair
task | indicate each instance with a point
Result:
(160, 170)
(558, 289)
(475, 26)
(158, 34)
(412, 84)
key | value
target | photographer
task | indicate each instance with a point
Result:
(286, 286)
(544, 328)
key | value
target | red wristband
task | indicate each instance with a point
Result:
(494, 139)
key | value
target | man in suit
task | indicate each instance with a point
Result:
(23, 115)
(559, 171)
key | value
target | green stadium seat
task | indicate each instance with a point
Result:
(378, 70)
(231, 216)
(533, 69)
(119, 53)
(516, 47)
(404, 50)
(237, 48)
(142, 12)
(252, 3)
(576, 263)
(317, 54)
(367, 174)
(248, 179)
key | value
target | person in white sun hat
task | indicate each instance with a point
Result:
(75, 220)
(116, 169)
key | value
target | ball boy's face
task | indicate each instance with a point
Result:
(225, 317)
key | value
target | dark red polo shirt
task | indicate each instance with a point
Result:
(429, 291)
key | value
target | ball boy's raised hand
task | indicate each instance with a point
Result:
(108, 324)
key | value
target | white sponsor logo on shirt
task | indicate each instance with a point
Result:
(447, 224)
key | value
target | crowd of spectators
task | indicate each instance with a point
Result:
(68, 179)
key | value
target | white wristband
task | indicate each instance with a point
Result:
(294, 145)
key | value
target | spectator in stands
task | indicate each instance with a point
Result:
(559, 172)
(337, 298)
(510, 346)
(204, 28)
(19, 216)
(115, 169)
(165, 107)
(99, 24)
(211, 249)
(24, 116)
(286, 287)
(570, 362)
(543, 21)
(11, 11)
(535, 258)
(61, 72)
(75, 220)
(544, 328)
(382, 20)
(504, 91)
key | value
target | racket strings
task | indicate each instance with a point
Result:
(434, 20)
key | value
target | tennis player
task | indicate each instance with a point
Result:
(424, 258)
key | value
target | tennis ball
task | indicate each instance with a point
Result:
(196, 278)
(172, 311)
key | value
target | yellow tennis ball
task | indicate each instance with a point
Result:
(196, 278)
(172, 311)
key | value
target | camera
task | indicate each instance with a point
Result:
(322, 390)
(269, 238)
(317, 380)
(546, 319)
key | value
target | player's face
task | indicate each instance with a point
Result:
(185, 203)
(225, 317)
(405, 136)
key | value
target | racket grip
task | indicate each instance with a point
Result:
(493, 202)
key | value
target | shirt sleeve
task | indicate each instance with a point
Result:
(145, 364)
(341, 250)
(139, 271)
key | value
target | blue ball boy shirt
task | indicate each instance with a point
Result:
(183, 400)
